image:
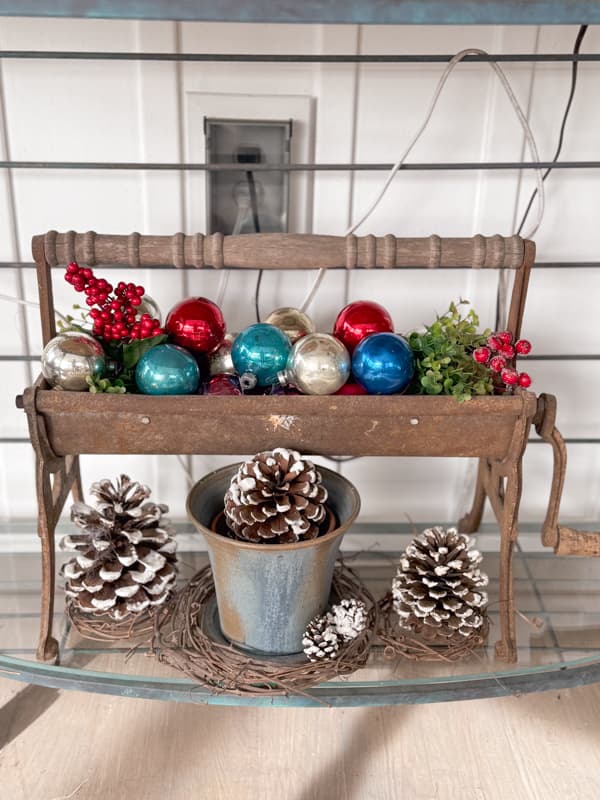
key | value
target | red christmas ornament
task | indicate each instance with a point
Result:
(196, 323)
(360, 319)
(352, 388)
(223, 385)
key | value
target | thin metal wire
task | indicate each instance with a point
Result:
(309, 167)
(299, 58)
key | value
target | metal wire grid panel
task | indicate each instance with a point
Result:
(439, 166)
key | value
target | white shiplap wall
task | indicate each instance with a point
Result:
(128, 111)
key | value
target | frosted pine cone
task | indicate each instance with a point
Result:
(436, 590)
(321, 639)
(349, 618)
(125, 560)
(276, 497)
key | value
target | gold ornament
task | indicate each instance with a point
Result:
(293, 322)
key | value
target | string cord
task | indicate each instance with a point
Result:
(574, 71)
(502, 291)
(396, 167)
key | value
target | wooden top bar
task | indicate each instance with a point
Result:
(279, 251)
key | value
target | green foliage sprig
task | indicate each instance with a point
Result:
(443, 354)
(107, 385)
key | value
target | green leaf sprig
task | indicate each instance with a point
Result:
(443, 355)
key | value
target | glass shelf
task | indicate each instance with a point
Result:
(558, 640)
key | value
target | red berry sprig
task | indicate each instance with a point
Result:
(113, 311)
(497, 354)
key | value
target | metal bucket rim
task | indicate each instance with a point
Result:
(272, 548)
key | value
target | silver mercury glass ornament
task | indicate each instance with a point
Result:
(70, 358)
(219, 362)
(149, 306)
(317, 364)
(293, 322)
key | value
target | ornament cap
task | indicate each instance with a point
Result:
(248, 381)
(284, 377)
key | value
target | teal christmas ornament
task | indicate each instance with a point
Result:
(383, 363)
(261, 350)
(167, 369)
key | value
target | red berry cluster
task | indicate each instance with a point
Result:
(115, 316)
(498, 354)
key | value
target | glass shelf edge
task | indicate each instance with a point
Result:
(340, 693)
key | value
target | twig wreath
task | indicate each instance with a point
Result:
(400, 642)
(181, 641)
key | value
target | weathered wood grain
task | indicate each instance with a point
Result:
(281, 251)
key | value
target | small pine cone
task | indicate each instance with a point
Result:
(276, 497)
(349, 618)
(125, 560)
(436, 590)
(321, 639)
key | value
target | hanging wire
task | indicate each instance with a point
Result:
(30, 303)
(574, 71)
(436, 95)
(501, 295)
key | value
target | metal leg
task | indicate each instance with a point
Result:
(47, 644)
(472, 520)
(76, 488)
(506, 648)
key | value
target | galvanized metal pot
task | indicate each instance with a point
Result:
(267, 593)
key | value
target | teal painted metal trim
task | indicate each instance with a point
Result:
(380, 12)
(580, 672)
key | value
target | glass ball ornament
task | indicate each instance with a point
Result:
(167, 369)
(224, 385)
(383, 363)
(293, 322)
(196, 324)
(220, 362)
(359, 320)
(149, 306)
(318, 364)
(70, 358)
(261, 350)
(351, 388)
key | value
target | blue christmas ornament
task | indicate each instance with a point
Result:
(261, 350)
(167, 369)
(383, 363)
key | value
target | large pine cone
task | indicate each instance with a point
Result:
(125, 560)
(436, 589)
(276, 498)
